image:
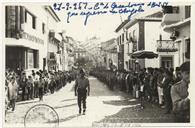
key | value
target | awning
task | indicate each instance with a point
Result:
(144, 54)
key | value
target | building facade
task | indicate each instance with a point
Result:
(109, 54)
(25, 37)
(120, 44)
(145, 33)
(176, 21)
(31, 39)
(55, 42)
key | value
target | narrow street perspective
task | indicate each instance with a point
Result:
(103, 106)
(96, 64)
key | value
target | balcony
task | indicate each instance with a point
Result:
(170, 18)
(166, 46)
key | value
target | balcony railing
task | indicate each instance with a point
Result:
(166, 46)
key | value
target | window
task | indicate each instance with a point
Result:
(167, 9)
(187, 11)
(170, 9)
(36, 58)
(33, 22)
(175, 9)
(43, 28)
(25, 16)
(130, 37)
(187, 48)
(118, 40)
(30, 59)
(127, 38)
(123, 38)
(30, 19)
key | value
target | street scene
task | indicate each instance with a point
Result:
(103, 106)
(96, 64)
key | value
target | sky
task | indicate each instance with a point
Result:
(101, 26)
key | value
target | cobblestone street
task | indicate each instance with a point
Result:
(103, 106)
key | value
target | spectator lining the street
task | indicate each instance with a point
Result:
(178, 76)
(23, 85)
(30, 88)
(41, 87)
(159, 86)
(179, 95)
(166, 84)
(12, 92)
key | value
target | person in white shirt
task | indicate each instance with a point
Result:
(13, 92)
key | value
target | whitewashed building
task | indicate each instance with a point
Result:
(144, 33)
(176, 21)
(28, 36)
(55, 45)
(25, 37)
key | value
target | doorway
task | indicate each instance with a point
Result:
(167, 62)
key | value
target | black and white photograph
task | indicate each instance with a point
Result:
(96, 64)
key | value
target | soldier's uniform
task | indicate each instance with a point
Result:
(82, 87)
(179, 95)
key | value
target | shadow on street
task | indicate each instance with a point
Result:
(27, 102)
(68, 100)
(66, 119)
(57, 107)
(120, 102)
(150, 114)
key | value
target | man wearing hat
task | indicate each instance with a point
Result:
(179, 95)
(82, 88)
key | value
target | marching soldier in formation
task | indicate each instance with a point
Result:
(82, 89)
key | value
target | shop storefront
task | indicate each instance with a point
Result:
(21, 58)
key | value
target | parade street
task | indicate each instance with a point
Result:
(128, 65)
(103, 106)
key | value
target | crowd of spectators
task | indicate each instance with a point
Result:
(21, 87)
(152, 84)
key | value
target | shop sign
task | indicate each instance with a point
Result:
(32, 38)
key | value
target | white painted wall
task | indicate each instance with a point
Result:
(41, 17)
(184, 33)
(152, 32)
(182, 12)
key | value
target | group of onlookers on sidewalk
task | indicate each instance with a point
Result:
(166, 87)
(20, 87)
